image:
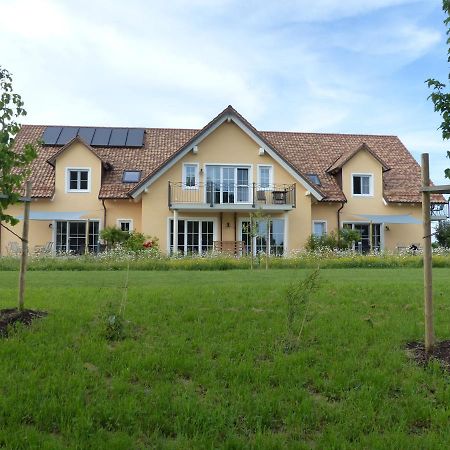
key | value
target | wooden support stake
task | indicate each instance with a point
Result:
(24, 256)
(427, 256)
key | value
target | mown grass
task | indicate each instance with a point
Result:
(203, 363)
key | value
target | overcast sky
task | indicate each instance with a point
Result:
(344, 66)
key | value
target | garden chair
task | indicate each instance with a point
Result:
(13, 249)
(43, 249)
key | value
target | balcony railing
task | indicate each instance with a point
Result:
(439, 211)
(214, 194)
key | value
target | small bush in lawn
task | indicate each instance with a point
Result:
(298, 296)
(113, 324)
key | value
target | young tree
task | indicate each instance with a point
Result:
(439, 97)
(14, 165)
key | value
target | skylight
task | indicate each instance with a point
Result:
(131, 176)
(314, 178)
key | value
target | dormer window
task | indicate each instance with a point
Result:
(131, 176)
(78, 180)
(362, 184)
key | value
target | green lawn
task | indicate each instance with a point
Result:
(203, 365)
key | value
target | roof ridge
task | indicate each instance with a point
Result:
(198, 129)
(331, 134)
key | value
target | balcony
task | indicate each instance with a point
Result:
(439, 211)
(231, 196)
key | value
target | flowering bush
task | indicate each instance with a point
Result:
(151, 259)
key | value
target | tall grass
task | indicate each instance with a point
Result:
(302, 260)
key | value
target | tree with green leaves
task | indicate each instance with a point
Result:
(14, 165)
(439, 96)
(442, 233)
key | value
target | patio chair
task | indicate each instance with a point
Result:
(13, 248)
(261, 196)
(43, 249)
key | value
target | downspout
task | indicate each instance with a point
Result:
(339, 221)
(104, 213)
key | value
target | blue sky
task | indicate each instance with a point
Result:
(345, 66)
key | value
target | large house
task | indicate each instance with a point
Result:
(195, 189)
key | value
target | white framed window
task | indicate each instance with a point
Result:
(125, 225)
(319, 227)
(362, 184)
(270, 240)
(78, 179)
(195, 235)
(190, 176)
(265, 176)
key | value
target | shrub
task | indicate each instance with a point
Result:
(137, 241)
(443, 233)
(298, 295)
(113, 236)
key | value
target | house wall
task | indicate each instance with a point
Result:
(228, 144)
(41, 232)
(392, 235)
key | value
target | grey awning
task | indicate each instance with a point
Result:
(51, 215)
(390, 219)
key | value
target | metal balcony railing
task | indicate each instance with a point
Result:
(439, 211)
(212, 194)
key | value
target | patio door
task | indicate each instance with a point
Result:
(71, 236)
(363, 246)
(227, 184)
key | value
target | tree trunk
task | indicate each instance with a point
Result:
(24, 256)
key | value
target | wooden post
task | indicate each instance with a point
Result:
(371, 237)
(427, 257)
(24, 256)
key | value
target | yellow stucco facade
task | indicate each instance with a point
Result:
(227, 146)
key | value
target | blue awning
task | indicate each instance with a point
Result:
(51, 215)
(390, 219)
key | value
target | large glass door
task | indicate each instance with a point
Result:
(194, 236)
(71, 236)
(363, 246)
(242, 185)
(227, 185)
(268, 239)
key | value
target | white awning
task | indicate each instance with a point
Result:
(51, 215)
(390, 219)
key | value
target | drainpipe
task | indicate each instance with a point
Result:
(104, 213)
(339, 220)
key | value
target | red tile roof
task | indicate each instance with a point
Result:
(307, 153)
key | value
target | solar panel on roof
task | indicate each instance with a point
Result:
(67, 134)
(118, 137)
(86, 133)
(51, 135)
(135, 137)
(101, 137)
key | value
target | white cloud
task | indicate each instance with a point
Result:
(178, 63)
